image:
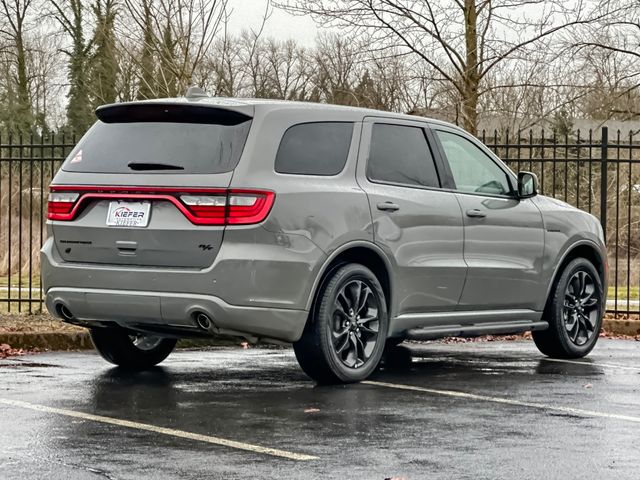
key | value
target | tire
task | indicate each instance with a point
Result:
(339, 345)
(574, 312)
(131, 352)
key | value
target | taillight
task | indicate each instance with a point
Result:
(60, 205)
(202, 206)
(248, 207)
(211, 207)
(237, 207)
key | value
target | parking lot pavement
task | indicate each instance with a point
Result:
(475, 410)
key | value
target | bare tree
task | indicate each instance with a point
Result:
(12, 28)
(175, 36)
(337, 60)
(610, 57)
(46, 78)
(104, 62)
(70, 15)
(287, 68)
(462, 40)
(219, 73)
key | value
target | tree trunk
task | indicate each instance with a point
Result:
(79, 113)
(104, 68)
(471, 77)
(24, 117)
(147, 85)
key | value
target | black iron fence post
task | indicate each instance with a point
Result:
(604, 157)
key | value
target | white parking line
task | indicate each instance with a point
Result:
(506, 401)
(593, 364)
(164, 431)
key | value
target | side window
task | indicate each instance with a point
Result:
(473, 171)
(401, 154)
(314, 148)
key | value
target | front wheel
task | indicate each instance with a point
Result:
(574, 312)
(345, 336)
(132, 351)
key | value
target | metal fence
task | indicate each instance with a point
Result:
(597, 172)
(27, 166)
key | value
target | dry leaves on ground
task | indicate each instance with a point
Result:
(486, 338)
(617, 336)
(7, 351)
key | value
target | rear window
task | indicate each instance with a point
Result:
(172, 143)
(314, 148)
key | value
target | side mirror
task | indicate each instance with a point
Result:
(527, 185)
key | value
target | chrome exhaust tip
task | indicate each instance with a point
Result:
(65, 312)
(203, 321)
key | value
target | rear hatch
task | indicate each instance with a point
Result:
(148, 185)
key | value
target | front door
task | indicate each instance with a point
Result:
(417, 223)
(504, 236)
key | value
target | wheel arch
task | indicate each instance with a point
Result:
(583, 249)
(364, 253)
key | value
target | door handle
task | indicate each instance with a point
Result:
(476, 213)
(388, 207)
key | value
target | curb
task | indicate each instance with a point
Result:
(82, 340)
(47, 340)
(621, 327)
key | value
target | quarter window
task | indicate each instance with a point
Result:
(401, 155)
(473, 170)
(314, 148)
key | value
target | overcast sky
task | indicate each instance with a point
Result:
(248, 14)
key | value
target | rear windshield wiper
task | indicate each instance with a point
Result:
(153, 166)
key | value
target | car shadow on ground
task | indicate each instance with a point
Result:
(421, 363)
(168, 387)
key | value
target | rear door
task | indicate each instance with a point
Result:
(416, 222)
(146, 184)
(504, 236)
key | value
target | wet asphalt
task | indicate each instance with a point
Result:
(495, 410)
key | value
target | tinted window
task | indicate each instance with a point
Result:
(195, 147)
(314, 148)
(401, 155)
(472, 169)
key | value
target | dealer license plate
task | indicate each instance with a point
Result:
(128, 214)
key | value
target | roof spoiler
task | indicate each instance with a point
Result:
(174, 112)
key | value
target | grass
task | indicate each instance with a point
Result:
(36, 309)
(632, 294)
(4, 281)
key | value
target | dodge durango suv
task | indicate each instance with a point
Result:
(340, 230)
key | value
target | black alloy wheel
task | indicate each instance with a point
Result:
(581, 308)
(355, 327)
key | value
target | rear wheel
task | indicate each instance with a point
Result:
(574, 312)
(345, 335)
(133, 351)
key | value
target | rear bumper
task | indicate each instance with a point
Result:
(259, 285)
(165, 311)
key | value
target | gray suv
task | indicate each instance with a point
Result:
(341, 230)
